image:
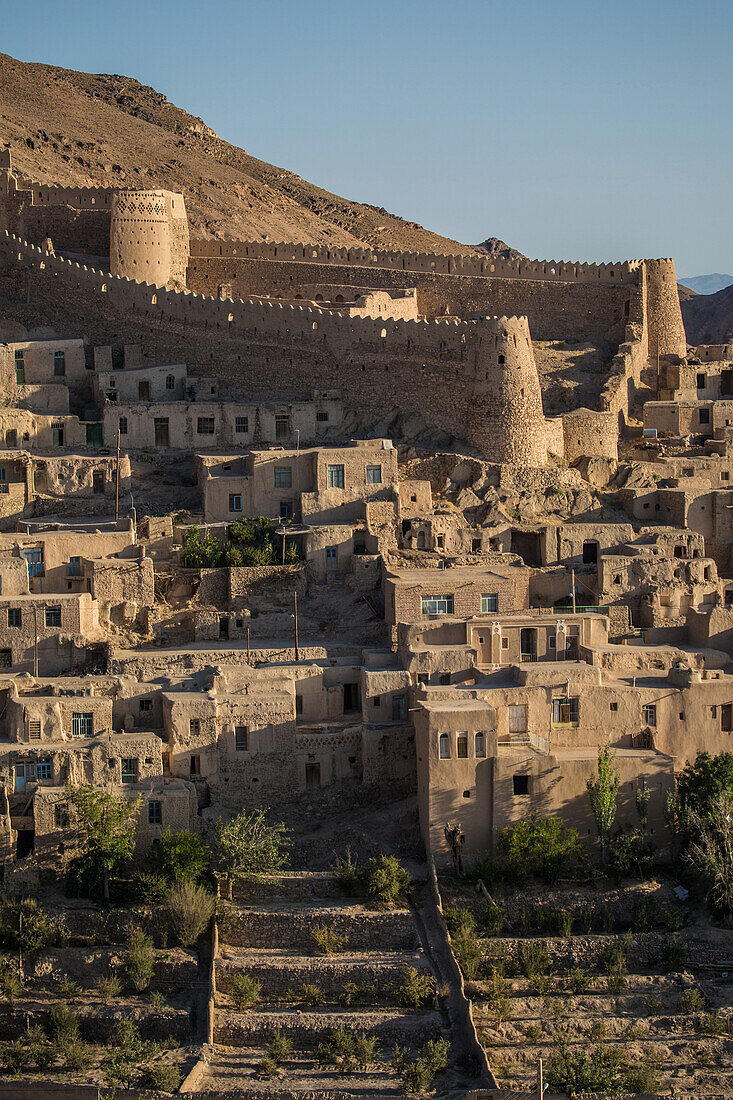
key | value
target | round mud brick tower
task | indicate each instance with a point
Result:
(664, 316)
(149, 237)
(506, 422)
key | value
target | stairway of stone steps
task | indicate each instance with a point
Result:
(643, 1018)
(270, 939)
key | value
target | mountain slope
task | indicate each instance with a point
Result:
(706, 284)
(708, 318)
(82, 129)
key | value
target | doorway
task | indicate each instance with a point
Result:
(161, 431)
(312, 776)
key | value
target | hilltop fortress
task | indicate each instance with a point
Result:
(446, 337)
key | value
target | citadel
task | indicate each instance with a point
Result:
(499, 495)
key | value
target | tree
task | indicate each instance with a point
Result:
(603, 793)
(179, 857)
(107, 823)
(710, 850)
(699, 785)
(247, 845)
(535, 848)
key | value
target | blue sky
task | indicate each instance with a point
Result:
(571, 130)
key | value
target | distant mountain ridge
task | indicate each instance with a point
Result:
(706, 284)
(708, 318)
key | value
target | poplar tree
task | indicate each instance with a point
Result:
(603, 793)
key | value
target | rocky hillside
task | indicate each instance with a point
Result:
(708, 318)
(81, 129)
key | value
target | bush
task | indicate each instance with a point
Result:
(267, 1067)
(67, 988)
(107, 988)
(353, 994)
(691, 1001)
(630, 853)
(541, 849)
(671, 919)
(161, 1076)
(62, 1024)
(435, 1055)
(492, 920)
(151, 889)
(312, 994)
(327, 941)
(139, 960)
(469, 955)
(645, 914)
(416, 988)
(77, 1055)
(347, 1050)
(581, 1070)
(10, 984)
(243, 991)
(459, 919)
(178, 857)
(156, 1000)
(673, 953)
(279, 1046)
(24, 926)
(13, 1057)
(497, 998)
(710, 1023)
(641, 1078)
(564, 923)
(346, 873)
(534, 960)
(190, 908)
(385, 880)
(417, 1074)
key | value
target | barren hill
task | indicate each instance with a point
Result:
(708, 318)
(89, 130)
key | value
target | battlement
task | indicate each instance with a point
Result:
(571, 271)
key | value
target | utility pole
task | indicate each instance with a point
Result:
(540, 1079)
(572, 581)
(247, 645)
(117, 479)
(35, 640)
(295, 616)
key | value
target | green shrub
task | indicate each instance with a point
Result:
(43, 1054)
(327, 941)
(62, 1024)
(352, 994)
(76, 1054)
(671, 918)
(267, 1067)
(417, 1074)
(586, 917)
(691, 1001)
(151, 889)
(492, 920)
(347, 1050)
(312, 994)
(641, 1078)
(435, 1055)
(711, 1023)
(67, 988)
(13, 1057)
(645, 914)
(243, 990)
(107, 988)
(497, 997)
(156, 1000)
(575, 1071)
(346, 873)
(533, 1032)
(190, 909)
(630, 853)
(459, 919)
(416, 988)
(161, 1076)
(537, 848)
(279, 1046)
(469, 955)
(534, 959)
(24, 925)
(673, 953)
(384, 880)
(579, 980)
(564, 923)
(227, 917)
(10, 984)
(178, 857)
(139, 959)
(611, 959)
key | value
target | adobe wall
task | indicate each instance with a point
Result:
(583, 310)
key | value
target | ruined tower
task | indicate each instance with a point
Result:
(506, 422)
(665, 330)
(149, 237)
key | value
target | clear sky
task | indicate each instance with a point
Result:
(572, 130)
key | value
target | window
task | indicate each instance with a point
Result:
(61, 815)
(129, 769)
(19, 368)
(205, 425)
(282, 426)
(702, 380)
(145, 705)
(489, 602)
(505, 643)
(476, 546)
(74, 567)
(43, 771)
(298, 704)
(194, 726)
(287, 510)
(283, 477)
(374, 475)
(170, 382)
(565, 711)
(59, 363)
(34, 559)
(122, 425)
(713, 712)
(726, 718)
(613, 706)
(437, 605)
(321, 416)
(155, 813)
(82, 724)
(34, 729)
(336, 477)
(241, 738)
(241, 425)
(649, 714)
(480, 744)
(704, 416)
(235, 502)
(399, 708)
(444, 678)
(195, 764)
(53, 616)
(6, 658)
(552, 642)
(520, 784)
(444, 742)
(462, 746)
(14, 616)
(331, 553)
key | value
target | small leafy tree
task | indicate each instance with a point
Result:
(536, 848)
(107, 824)
(603, 793)
(710, 851)
(248, 845)
(179, 857)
